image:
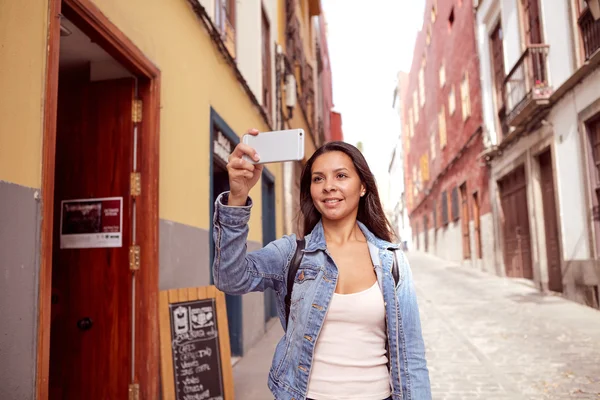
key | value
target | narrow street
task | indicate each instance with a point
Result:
(486, 338)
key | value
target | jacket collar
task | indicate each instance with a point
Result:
(316, 239)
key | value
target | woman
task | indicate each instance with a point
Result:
(352, 333)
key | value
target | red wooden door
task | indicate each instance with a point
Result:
(517, 240)
(550, 223)
(90, 351)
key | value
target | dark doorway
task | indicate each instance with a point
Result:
(550, 223)
(269, 233)
(223, 141)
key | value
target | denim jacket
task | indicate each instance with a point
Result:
(239, 272)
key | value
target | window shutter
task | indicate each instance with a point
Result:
(454, 203)
(444, 208)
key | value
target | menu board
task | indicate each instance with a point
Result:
(195, 356)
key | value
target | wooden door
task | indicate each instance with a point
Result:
(90, 350)
(593, 159)
(426, 233)
(466, 229)
(550, 223)
(517, 241)
(477, 225)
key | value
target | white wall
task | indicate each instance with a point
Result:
(249, 44)
(570, 175)
(557, 34)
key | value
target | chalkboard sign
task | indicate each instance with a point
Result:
(195, 354)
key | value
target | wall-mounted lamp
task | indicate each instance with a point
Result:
(290, 93)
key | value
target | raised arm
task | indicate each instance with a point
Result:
(235, 270)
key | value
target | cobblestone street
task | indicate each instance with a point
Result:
(487, 338)
(493, 338)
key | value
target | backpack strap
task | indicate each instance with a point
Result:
(395, 268)
(294, 265)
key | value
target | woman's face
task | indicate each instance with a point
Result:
(335, 186)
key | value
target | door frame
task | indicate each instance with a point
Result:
(97, 26)
(235, 315)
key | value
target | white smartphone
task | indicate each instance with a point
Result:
(276, 146)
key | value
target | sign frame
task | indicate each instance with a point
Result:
(92, 240)
(174, 296)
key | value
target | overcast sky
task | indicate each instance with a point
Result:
(369, 42)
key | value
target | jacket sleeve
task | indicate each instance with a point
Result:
(413, 365)
(237, 271)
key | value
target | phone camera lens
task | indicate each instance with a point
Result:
(300, 133)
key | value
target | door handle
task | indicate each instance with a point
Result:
(85, 324)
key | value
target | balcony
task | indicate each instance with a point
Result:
(590, 33)
(527, 87)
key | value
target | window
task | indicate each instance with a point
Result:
(451, 101)
(225, 21)
(451, 19)
(442, 127)
(266, 64)
(433, 146)
(428, 37)
(442, 75)
(416, 107)
(434, 11)
(497, 50)
(465, 97)
(422, 86)
(589, 28)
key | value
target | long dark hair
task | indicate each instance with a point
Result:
(370, 211)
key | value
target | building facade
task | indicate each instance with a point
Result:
(446, 183)
(541, 85)
(398, 213)
(119, 117)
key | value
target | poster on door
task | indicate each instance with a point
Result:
(91, 223)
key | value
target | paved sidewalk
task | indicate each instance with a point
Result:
(486, 338)
(251, 372)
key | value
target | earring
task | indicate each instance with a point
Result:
(362, 194)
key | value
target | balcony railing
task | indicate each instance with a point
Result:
(590, 32)
(527, 84)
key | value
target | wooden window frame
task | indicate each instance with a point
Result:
(267, 91)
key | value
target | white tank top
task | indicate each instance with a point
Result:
(350, 360)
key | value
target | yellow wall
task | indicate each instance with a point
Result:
(23, 30)
(194, 77)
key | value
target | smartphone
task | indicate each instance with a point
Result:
(276, 146)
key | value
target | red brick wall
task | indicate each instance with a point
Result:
(336, 127)
(455, 47)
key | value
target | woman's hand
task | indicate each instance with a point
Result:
(243, 175)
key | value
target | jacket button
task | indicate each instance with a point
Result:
(301, 276)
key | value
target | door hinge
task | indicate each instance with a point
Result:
(136, 111)
(136, 184)
(134, 257)
(134, 391)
